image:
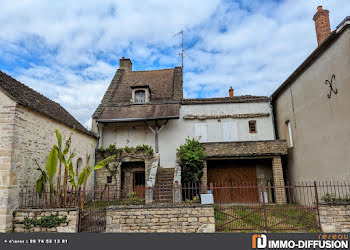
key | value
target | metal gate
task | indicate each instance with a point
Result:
(298, 212)
(269, 218)
(92, 220)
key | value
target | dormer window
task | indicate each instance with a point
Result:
(140, 96)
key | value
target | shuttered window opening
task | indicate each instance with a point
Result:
(201, 132)
(229, 131)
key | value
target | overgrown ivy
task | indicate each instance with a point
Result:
(191, 158)
(46, 221)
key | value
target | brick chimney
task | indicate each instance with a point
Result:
(230, 91)
(125, 63)
(322, 25)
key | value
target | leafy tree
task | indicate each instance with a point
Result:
(191, 158)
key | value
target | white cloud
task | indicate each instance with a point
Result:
(69, 50)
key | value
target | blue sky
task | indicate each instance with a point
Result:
(70, 50)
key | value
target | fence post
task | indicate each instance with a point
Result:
(317, 204)
(264, 205)
(79, 209)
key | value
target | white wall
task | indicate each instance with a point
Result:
(175, 131)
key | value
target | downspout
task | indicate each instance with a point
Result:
(273, 119)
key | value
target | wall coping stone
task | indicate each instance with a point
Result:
(158, 206)
(45, 209)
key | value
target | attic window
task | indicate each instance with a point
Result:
(140, 96)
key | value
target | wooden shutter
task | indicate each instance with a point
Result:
(201, 131)
(229, 131)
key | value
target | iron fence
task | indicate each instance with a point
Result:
(306, 194)
(238, 206)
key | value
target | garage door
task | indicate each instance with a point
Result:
(234, 174)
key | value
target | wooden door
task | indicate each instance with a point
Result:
(234, 182)
(139, 184)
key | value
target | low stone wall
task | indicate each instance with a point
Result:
(156, 218)
(22, 216)
(335, 218)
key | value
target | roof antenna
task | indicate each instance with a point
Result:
(182, 54)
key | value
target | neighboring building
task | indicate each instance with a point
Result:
(311, 107)
(147, 107)
(27, 133)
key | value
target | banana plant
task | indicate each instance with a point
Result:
(84, 175)
(62, 153)
(51, 168)
(41, 182)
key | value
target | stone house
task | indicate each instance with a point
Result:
(311, 107)
(27, 133)
(147, 107)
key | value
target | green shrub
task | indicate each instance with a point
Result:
(191, 158)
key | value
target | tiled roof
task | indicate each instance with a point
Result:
(165, 86)
(33, 100)
(160, 82)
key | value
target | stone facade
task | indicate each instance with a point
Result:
(7, 132)
(70, 227)
(149, 164)
(151, 219)
(335, 218)
(27, 136)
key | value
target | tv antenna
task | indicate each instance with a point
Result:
(182, 53)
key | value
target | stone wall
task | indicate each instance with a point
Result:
(171, 219)
(8, 178)
(280, 192)
(335, 218)
(71, 226)
(27, 136)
